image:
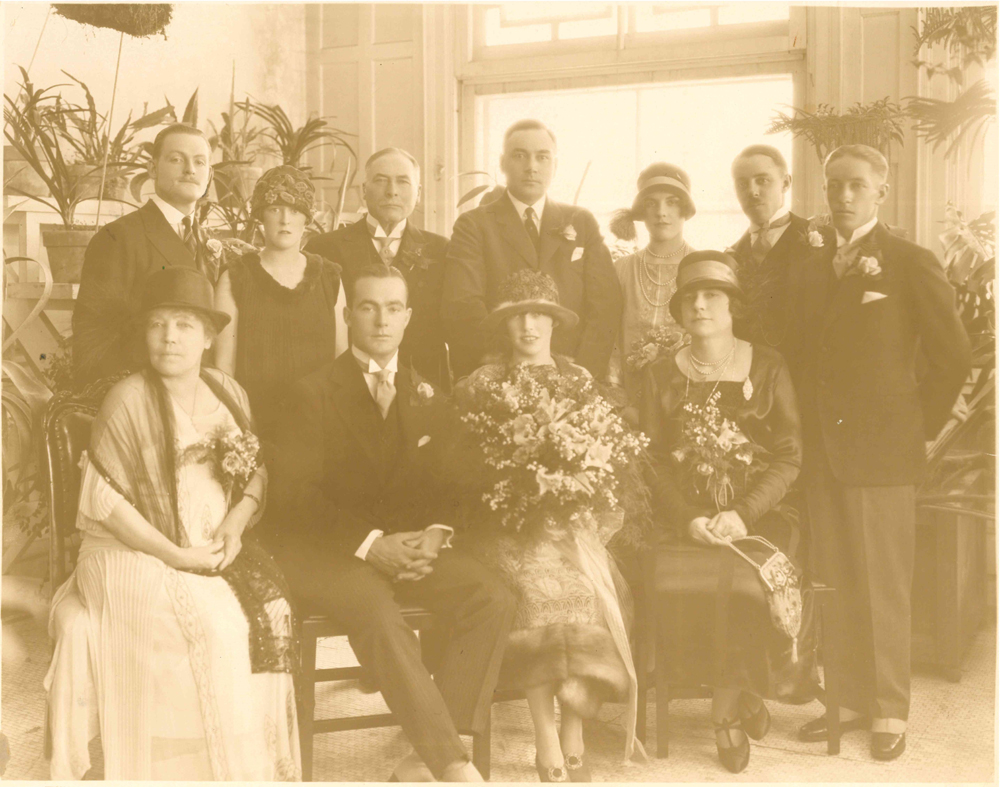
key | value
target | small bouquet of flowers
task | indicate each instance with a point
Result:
(223, 252)
(717, 458)
(235, 458)
(657, 342)
(554, 449)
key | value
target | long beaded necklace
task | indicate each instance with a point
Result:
(646, 272)
(728, 362)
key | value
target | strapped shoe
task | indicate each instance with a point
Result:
(736, 756)
(755, 723)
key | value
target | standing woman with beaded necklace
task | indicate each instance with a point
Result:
(648, 277)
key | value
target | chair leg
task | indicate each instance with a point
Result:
(830, 611)
(642, 686)
(481, 753)
(307, 705)
(662, 711)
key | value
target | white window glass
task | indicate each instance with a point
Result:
(522, 13)
(699, 126)
(589, 28)
(499, 33)
(651, 18)
(742, 13)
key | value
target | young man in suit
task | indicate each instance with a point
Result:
(522, 228)
(364, 528)
(391, 191)
(775, 240)
(880, 357)
(163, 232)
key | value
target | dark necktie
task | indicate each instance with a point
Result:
(529, 225)
(189, 237)
(762, 245)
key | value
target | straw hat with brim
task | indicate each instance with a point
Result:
(705, 270)
(183, 288)
(528, 291)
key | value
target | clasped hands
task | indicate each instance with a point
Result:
(407, 556)
(717, 530)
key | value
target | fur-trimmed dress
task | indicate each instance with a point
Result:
(573, 609)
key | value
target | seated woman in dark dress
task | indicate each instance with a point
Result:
(703, 504)
(286, 307)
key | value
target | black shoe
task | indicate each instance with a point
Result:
(815, 730)
(736, 756)
(755, 723)
(550, 774)
(888, 745)
(577, 769)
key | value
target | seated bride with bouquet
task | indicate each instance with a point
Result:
(559, 471)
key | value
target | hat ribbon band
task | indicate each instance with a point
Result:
(707, 269)
(663, 180)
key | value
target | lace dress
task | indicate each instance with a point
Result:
(157, 659)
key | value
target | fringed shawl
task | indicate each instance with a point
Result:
(133, 446)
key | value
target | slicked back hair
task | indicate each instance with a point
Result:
(389, 151)
(864, 152)
(176, 128)
(764, 150)
(374, 270)
(528, 124)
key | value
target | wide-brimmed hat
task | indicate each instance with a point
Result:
(529, 291)
(284, 185)
(659, 177)
(183, 288)
(705, 270)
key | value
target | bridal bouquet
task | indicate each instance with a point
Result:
(716, 457)
(657, 342)
(554, 449)
(235, 458)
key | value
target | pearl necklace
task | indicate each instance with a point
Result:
(665, 256)
(646, 273)
(705, 368)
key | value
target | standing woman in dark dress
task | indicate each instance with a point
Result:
(703, 585)
(286, 306)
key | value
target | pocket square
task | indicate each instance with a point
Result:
(869, 297)
(577, 254)
(423, 441)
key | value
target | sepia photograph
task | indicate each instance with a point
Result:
(515, 392)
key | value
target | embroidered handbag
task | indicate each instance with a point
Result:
(781, 589)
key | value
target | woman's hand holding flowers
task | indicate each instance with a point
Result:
(728, 524)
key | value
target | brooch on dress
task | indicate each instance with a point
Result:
(747, 389)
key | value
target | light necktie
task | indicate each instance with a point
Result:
(385, 249)
(762, 245)
(530, 226)
(845, 257)
(385, 391)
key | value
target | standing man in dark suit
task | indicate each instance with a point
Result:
(163, 232)
(364, 528)
(776, 240)
(391, 191)
(524, 229)
(867, 304)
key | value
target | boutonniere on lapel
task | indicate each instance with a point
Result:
(423, 393)
(865, 266)
(414, 257)
(813, 234)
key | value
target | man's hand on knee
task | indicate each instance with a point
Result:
(393, 555)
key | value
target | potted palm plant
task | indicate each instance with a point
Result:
(238, 141)
(18, 174)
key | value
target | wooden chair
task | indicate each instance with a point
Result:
(647, 637)
(315, 628)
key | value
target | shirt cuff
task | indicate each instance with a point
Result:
(367, 544)
(450, 531)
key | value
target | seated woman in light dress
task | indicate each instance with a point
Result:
(174, 637)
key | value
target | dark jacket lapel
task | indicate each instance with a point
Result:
(358, 245)
(554, 218)
(164, 238)
(512, 230)
(789, 238)
(353, 403)
(846, 291)
(411, 248)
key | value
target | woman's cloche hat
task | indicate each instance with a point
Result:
(284, 185)
(705, 270)
(658, 176)
(528, 291)
(183, 288)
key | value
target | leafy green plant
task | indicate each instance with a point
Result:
(292, 144)
(967, 33)
(237, 139)
(939, 121)
(878, 124)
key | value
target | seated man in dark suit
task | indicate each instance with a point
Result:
(364, 528)
(163, 232)
(522, 228)
(391, 191)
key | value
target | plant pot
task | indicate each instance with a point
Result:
(88, 183)
(18, 174)
(66, 249)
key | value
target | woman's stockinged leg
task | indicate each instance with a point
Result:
(725, 707)
(541, 703)
(570, 732)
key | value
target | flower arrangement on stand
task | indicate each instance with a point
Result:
(555, 449)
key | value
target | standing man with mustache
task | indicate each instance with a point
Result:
(391, 192)
(122, 255)
(523, 228)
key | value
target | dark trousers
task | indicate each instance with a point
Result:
(862, 544)
(471, 599)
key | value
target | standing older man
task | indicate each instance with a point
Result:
(868, 305)
(163, 232)
(391, 191)
(776, 240)
(525, 229)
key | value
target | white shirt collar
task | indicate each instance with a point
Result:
(379, 232)
(779, 213)
(860, 232)
(173, 216)
(373, 367)
(521, 207)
